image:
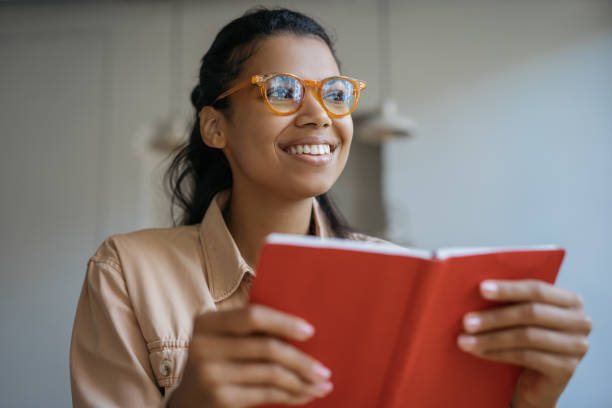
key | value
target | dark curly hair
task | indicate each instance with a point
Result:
(197, 172)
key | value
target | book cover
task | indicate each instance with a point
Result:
(387, 318)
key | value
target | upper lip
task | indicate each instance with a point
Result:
(310, 140)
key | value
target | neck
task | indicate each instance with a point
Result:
(254, 215)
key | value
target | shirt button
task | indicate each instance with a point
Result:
(165, 368)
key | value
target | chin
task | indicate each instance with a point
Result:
(317, 191)
(306, 190)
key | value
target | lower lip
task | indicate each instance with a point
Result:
(315, 160)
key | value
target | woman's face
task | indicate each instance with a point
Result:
(259, 143)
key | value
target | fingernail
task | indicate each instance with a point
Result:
(321, 371)
(472, 322)
(323, 388)
(467, 342)
(489, 288)
(305, 329)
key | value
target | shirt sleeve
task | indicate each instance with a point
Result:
(109, 363)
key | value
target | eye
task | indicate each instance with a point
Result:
(281, 92)
(335, 95)
(282, 87)
(337, 91)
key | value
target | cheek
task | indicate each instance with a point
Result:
(253, 124)
(344, 129)
(266, 128)
(251, 144)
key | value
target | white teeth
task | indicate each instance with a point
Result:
(318, 149)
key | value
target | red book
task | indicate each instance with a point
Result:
(387, 318)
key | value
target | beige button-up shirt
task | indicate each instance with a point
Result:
(141, 294)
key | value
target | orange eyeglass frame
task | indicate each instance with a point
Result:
(260, 80)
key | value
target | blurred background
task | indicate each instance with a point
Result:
(507, 107)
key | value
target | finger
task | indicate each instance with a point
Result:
(558, 367)
(260, 348)
(261, 374)
(247, 396)
(528, 314)
(253, 319)
(526, 338)
(530, 290)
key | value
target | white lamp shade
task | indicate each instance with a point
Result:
(383, 124)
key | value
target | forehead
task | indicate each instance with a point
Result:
(308, 57)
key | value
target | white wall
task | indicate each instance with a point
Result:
(514, 103)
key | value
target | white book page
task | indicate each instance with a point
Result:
(444, 253)
(347, 244)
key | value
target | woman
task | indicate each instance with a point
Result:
(163, 317)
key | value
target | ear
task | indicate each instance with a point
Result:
(211, 128)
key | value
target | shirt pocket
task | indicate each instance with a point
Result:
(168, 359)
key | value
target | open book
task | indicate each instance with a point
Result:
(387, 318)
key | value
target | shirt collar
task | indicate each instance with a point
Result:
(224, 266)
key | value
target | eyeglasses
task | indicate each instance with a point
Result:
(284, 93)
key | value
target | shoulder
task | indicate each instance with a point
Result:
(146, 242)
(358, 236)
(161, 271)
(154, 279)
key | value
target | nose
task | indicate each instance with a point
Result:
(312, 113)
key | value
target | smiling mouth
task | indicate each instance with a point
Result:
(310, 149)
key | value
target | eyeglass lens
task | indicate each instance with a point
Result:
(285, 93)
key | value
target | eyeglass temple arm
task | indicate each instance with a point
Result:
(235, 88)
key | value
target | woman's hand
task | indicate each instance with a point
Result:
(545, 331)
(237, 359)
